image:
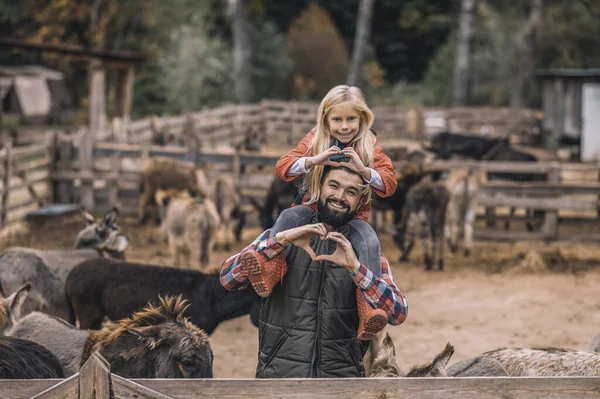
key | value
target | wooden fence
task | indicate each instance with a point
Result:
(95, 381)
(284, 123)
(572, 190)
(24, 179)
(570, 194)
(32, 176)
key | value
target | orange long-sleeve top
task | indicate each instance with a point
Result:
(381, 163)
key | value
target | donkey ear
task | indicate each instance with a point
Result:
(88, 218)
(16, 300)
(440, 363)
(151, 335)
(388, 343)
(110, 217)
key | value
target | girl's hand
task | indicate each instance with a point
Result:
(322, 158)
(355, 162)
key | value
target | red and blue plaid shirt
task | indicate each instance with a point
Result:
(380, 293)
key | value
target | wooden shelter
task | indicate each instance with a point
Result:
(571, 103)
(99, 61)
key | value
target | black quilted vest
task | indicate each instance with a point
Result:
(308, 325)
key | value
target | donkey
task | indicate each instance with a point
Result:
(10, 307)
(546, 362)
(47, 270)
(104, 288)
(385, 365)
(23, 359)
(463, 186)
(189, 227)
(164, 172)
(228, 201)
(156, 342)
(425, 209)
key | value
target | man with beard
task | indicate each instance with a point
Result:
(309, 322)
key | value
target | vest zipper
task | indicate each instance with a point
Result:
(316, 351)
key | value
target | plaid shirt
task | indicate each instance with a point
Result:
(380, 293)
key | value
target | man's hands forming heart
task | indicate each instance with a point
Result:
(343, 256)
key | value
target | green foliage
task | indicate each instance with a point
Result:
(570, 36)
(196, 71)
(272, 65)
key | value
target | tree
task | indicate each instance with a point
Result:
(462, 68)
(363, 32)
(524, 80)
(242, 51)
(319, 53)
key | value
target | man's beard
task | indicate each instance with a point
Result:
(333, 217)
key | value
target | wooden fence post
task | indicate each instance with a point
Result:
(421, 131)
(551, 218)
(53, 185)
(113, 193)
(6, 183)
(191, 141)
(95, 379)
(86, 159)
(65, 162)
(598, 200)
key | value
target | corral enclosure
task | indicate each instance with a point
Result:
(515, 293)
(506, 294)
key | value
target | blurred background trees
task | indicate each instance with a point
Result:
(301, 48)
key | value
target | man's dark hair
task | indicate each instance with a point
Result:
(329, 168)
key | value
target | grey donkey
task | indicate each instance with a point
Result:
(47, 270)
(385, 365)
(546, 362)
(156, 342)
(425, 209)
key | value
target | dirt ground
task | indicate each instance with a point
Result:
(505, 294)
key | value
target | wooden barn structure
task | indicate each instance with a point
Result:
(571, 104)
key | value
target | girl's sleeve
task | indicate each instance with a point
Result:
(285, 162)
(383, 165)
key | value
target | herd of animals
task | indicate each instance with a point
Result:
(57, 307)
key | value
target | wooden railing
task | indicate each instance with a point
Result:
(95, 381)
(24, 179)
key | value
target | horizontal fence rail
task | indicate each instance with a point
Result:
(95, 380)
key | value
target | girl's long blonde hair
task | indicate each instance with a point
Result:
(363, 143)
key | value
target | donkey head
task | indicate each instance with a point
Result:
(103, 234)
(10, 307)
(157, 342)
(385, 364)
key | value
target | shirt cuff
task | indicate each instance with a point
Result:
(298, 168)
(270, 248)
(376, 180)
(363, 277)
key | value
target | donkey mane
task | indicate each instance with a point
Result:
(547, 349)
(171, 309)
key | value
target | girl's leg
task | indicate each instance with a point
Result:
(292, 217)
(364, 240)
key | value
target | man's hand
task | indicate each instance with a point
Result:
(300, 237)
(344, 254)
